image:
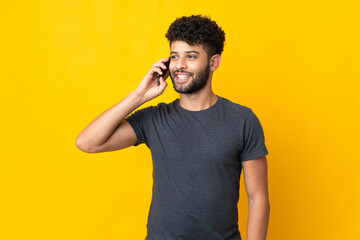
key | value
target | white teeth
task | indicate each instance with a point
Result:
(182, 76)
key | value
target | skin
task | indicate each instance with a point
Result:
(256, 185)
(196, 80)
(110, 132)
(193, 59)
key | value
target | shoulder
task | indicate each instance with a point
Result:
(160, 107)
(164, 107)
(235, 108)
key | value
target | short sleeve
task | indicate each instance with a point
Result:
(139, 121)
(253, 139)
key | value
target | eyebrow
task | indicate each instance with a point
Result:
(187, 52)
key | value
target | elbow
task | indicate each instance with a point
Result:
(264, 201)
(80, 145)
(262, 204)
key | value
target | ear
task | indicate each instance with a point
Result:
(215, 62)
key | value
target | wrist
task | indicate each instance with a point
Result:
(137, 97)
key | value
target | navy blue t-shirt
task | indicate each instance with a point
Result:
(197, 159)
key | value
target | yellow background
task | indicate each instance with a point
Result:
(63, 62)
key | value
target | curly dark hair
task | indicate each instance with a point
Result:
(198, 29)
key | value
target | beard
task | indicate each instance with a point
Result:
(195, 84)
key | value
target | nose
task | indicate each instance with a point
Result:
(180, 63)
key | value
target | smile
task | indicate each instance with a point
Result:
(182, 77)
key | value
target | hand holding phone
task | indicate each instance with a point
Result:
(165, 72)
(147, 88)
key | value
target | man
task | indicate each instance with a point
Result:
(199, 143)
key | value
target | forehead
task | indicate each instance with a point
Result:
(183, 47)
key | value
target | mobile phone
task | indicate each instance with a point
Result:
(165, 72)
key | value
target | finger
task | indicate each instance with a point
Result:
(163, 84)
(160, 65)
(164, 59)
(155, 70)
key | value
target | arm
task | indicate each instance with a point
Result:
(256, 184)
(109, 131)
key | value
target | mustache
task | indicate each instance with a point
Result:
(182, 71)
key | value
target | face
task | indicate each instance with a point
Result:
(189, 67)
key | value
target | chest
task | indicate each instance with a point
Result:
(194, 143)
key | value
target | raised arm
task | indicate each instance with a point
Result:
(109, 131)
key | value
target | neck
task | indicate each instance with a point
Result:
(198, 101)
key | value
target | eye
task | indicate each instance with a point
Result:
(191, 56)
(173, 57)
